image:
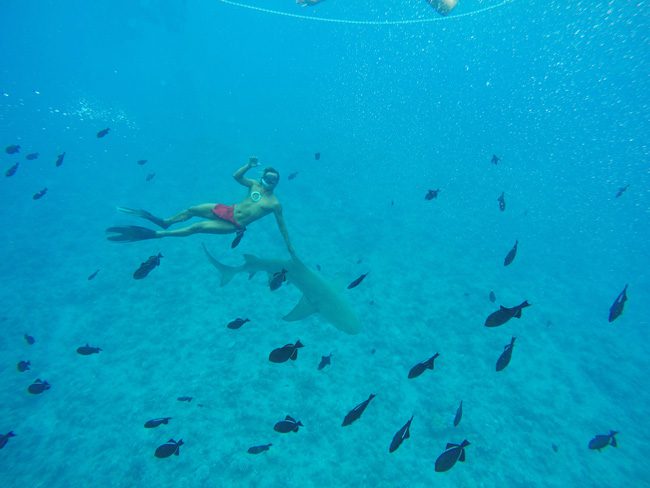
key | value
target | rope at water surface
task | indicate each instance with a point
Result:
(367, 22)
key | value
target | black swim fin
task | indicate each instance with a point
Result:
(131, 233)
(145, 215)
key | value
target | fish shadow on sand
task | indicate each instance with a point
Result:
(318, 296)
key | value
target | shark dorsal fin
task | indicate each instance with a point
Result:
(304, 308)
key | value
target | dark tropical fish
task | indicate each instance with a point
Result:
(358, 281)
(23, 366)
(602, 441)
(289, 424)
(621, 190)
(495, 159)
(617, 307)
(292, 175)
(59, 160)
(13, 149)
(39, 194)
(511, 254)
(237, 323)
(459, 414)
(29, 339)
(259, 449)
(554, 447)
(4, 438)
(317, 156)
(431, 194)
(504, 314)
(146, 267)
(38, 387)
(184, 399)
(506, 355)
(88, 350)
(92, 276)
(356, 412)
(31, 156)
(318, 267)
(142, 161)
(277, 279)
(502, 201)
(493, 297)
(12, 171)
(103, 132)
(237, 239)
(325, 361)
(150, 176)
(150, 424)
(400, 436)
(420, 368)
(453, 453)
(286, 352)
(170, 448)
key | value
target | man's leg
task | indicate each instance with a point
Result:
(204, 210)
(209, 227)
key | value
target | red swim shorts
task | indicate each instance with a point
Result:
(225, 212)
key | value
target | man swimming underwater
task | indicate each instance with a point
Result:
(443, 7)
(221, 219)
(307, 3)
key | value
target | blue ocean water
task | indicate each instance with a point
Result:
(558, 90)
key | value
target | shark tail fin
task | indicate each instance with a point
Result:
(227, 272)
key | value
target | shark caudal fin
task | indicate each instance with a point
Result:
(227, 272)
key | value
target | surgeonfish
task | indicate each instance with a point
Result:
(420, 368)
(617, 307)
(511, 254)
(401, 435)
(506, 355)
(452, 453)
(169, 448)
(289, 424)
(354, 414)
(504, 314)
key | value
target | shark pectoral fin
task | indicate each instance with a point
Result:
(304, 308)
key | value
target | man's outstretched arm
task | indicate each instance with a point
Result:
(283, 230)
(239, 174)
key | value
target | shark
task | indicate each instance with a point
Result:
(318, 296)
